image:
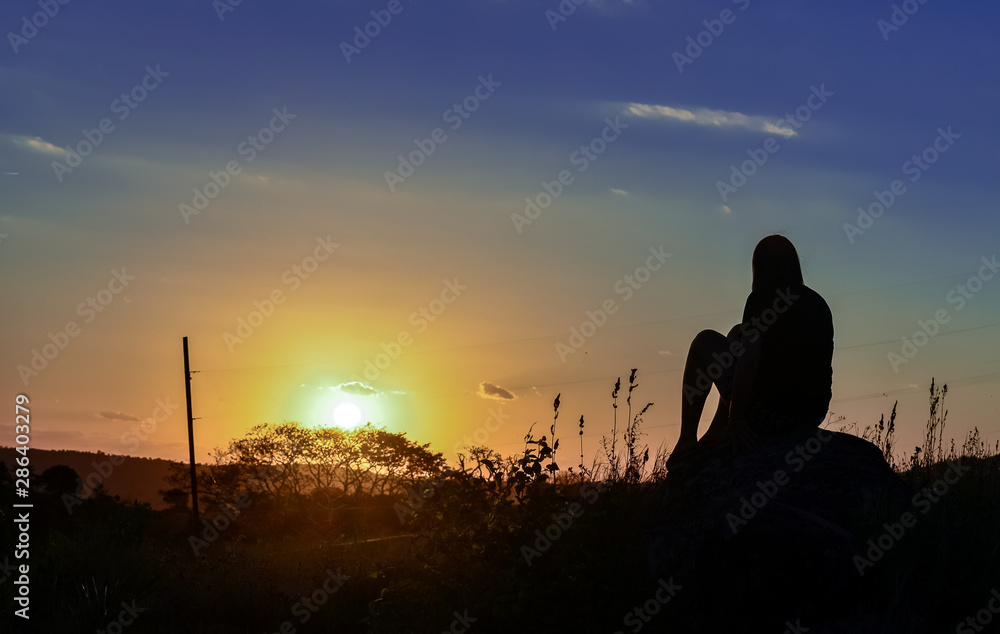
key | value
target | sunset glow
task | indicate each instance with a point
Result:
(416, 223)
(499, 316)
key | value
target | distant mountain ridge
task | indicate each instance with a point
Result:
(133, 479)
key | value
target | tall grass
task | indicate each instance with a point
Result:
(932, 451)
(629, 464)
(460, 546)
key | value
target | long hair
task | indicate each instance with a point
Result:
(775, 264)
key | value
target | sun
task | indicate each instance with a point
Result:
(347, 415)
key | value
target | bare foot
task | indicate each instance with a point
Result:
(682, 451)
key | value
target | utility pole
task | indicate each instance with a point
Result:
(194, 475)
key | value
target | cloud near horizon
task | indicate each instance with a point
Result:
(711, 118)
(490, 390)
(357, 388)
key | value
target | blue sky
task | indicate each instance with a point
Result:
(323, 175)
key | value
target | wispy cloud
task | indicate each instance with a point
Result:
(357, 388)
(35, 144)
(490, 390)
(118, 416)
(711, 118)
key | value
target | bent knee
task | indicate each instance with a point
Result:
(706, 338)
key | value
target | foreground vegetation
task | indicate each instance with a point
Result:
(366, 531)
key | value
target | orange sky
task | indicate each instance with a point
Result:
(537, 180)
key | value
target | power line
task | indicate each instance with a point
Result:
(962, 382)
(949, 332)
(631, 326)
(967, 381)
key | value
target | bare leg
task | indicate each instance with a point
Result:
(697, 381)
(696, 385)
(719, 428)
(701, 371)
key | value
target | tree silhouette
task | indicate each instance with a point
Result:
(288, 460)
(176, 499)
(60, 480)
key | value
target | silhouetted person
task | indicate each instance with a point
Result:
(773, 371)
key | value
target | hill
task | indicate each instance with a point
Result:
(133, 479)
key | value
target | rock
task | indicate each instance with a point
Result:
(765, 540)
